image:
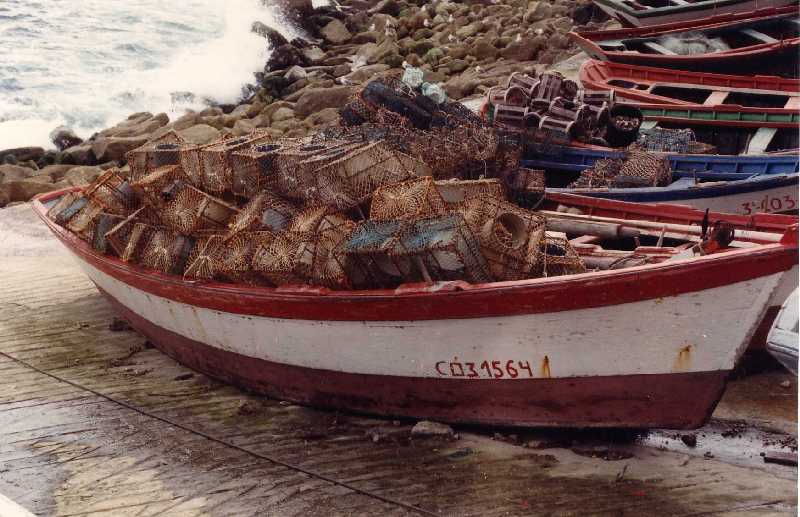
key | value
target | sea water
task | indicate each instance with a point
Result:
(88, 64)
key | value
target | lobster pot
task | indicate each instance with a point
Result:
(234, 259)
(112, 192)
(253, 168)
(665, 140)
(549, 87)
(119, 235)
(601, 174)
(201, 263)
(559, 257)
(162, 151)
(66, 207)
(412, 199)
(516, 96)
(496, 95)
(317, 261)
(653, 169)
(562, 108)
(456, 193)
(527, 83)
(135, 242)
(265, 211)
(366, 257)
(526, 186)
(559, 129)
(277, 259)
(598, 98)
(192, 210)
(166, 251)
(297, 168)
(155, 187)
(369, 167)
(569, 89)
(215, 162)
(510, 240)
(104, 224)
(509, 115)
(442, 249)
(84, 222)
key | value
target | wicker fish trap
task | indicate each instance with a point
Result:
(559, 257)
(364, 169)
(455, 193)
(525, 186)
(277, 259)
(192, 210)
(600, 175)
(653, 169)
(297, 169)
(442, 248)
(84, 222)
(253, 168)
(201, 263)
(166, 251)
(510, 240)
(104, 223)
(113, 192)
(119, 236)
(159, 152)
(413, 199)
(367, 259)
(216, 168)
(135, 241)
(234, 259)
(66, 207)
(155, 188)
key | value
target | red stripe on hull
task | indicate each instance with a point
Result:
(679, 401)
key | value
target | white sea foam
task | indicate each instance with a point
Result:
(90, 64)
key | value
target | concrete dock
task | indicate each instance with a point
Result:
(94, 421)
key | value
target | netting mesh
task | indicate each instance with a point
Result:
(216, 165)
(192, 210)
(166, 251)
(413, 199)
(155, 188)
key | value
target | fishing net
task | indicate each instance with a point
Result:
(161, 151)
(112, 192)
(559, 257)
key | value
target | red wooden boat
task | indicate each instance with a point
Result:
(644, 346)
(664, 86)
(762, 41)
(640, 13)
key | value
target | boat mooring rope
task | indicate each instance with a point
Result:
(214, 439)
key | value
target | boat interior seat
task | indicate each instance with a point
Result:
(613, 46)
(711, 176)
(759, 36)
(761, 139)
(717, 97)
(679, 2)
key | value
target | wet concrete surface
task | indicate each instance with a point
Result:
(94, 422)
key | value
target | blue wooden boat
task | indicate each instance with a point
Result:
(576, 159)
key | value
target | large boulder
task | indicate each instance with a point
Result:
(538, 11)
(10, 172)
(22, 190)
(78, 176)
(316, 99)
(284, 57)
(326, 117)
(64, 138)
(114, 148)
(525, 49)
(274, 37)
(335, 32)
(21, 154)
(79, 155)
(54, 172)
(200, 134)
(364, 74)
(375, 53)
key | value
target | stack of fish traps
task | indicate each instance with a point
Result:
(665, 140)
(549, 107)
(362, 206)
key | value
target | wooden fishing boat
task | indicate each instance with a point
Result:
(577, 158)
(732, 193)
(782, 341)
(664, 86)
(720, 115)
(643, 346)
(640, 13)
(759, 42)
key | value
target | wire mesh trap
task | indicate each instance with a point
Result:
(161, 151)
(367, 259)
(559, 257)
(192, 210)
(112, 192)
(440, 249)
(84, 222)
(412, 199)
(66, 207)
(166, 251)
(156, 187)
(215, 165)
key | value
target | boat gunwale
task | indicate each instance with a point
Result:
(619, 6)
(459, 299)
